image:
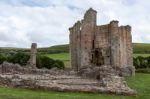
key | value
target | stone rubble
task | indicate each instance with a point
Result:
(13, 75)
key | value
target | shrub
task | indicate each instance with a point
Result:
(41, 61)
(59, 64)
(2, 59)
(46, 62)
(20, 58)
(141, 62)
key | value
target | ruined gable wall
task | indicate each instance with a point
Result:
(126, 57)
(123, 47)
(75, 45)
(102, 36)
(102, 40)
(88, 26)
(78, 44)
(129, 46)
(114, 43)
(71, 46)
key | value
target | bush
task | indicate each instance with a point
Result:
(141, 62)
(20, 58)
(2, 58)
(46, 62)
(59, 64)
(41, 61)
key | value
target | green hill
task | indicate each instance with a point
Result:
(44, 50)
(138, 48)
(55, 49)
(141, 48)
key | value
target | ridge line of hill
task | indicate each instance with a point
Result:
(139, 48)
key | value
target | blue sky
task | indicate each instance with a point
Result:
(46, 22)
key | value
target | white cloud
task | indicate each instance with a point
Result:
(22, 23)
(46, 26)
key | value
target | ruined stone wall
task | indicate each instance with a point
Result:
(32, 60)
(88, 27)
(75, 45)
(129, 46)
(102, 41)
(126, 52)
(81, 39)
(123, 47)
(78, 44)
(114, 43)
(102, 36)
(71, 45)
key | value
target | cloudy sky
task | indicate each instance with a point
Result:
(46, 22)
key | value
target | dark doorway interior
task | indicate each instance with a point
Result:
(97, 57)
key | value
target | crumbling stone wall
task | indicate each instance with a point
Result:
(32, 60)
(96, 80)
(92, 44)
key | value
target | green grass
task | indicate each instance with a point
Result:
(66, 58)
(143, 55)
(61, 56)
(141, 48)
(141, 82)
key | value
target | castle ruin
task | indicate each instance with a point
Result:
(96, 45)
(98, 48)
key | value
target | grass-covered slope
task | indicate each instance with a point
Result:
(141, 48)
(138, 48)
(141, 82)
(55, 49)
(61, 56)
(44, 50)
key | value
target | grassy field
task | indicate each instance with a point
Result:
(66, 58)
(141, 48)
(143, 55)
(141, 82)
(137, 48)
(61, 56)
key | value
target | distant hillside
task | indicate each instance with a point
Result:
(141, 48)
(55, 49)
(138, 48)
(49, 50)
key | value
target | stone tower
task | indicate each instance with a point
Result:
(32, 60)
(96, 45)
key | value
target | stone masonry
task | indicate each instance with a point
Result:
(32, 60)
(97, 45)
(16, 76)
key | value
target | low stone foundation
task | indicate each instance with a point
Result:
(12, 75)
